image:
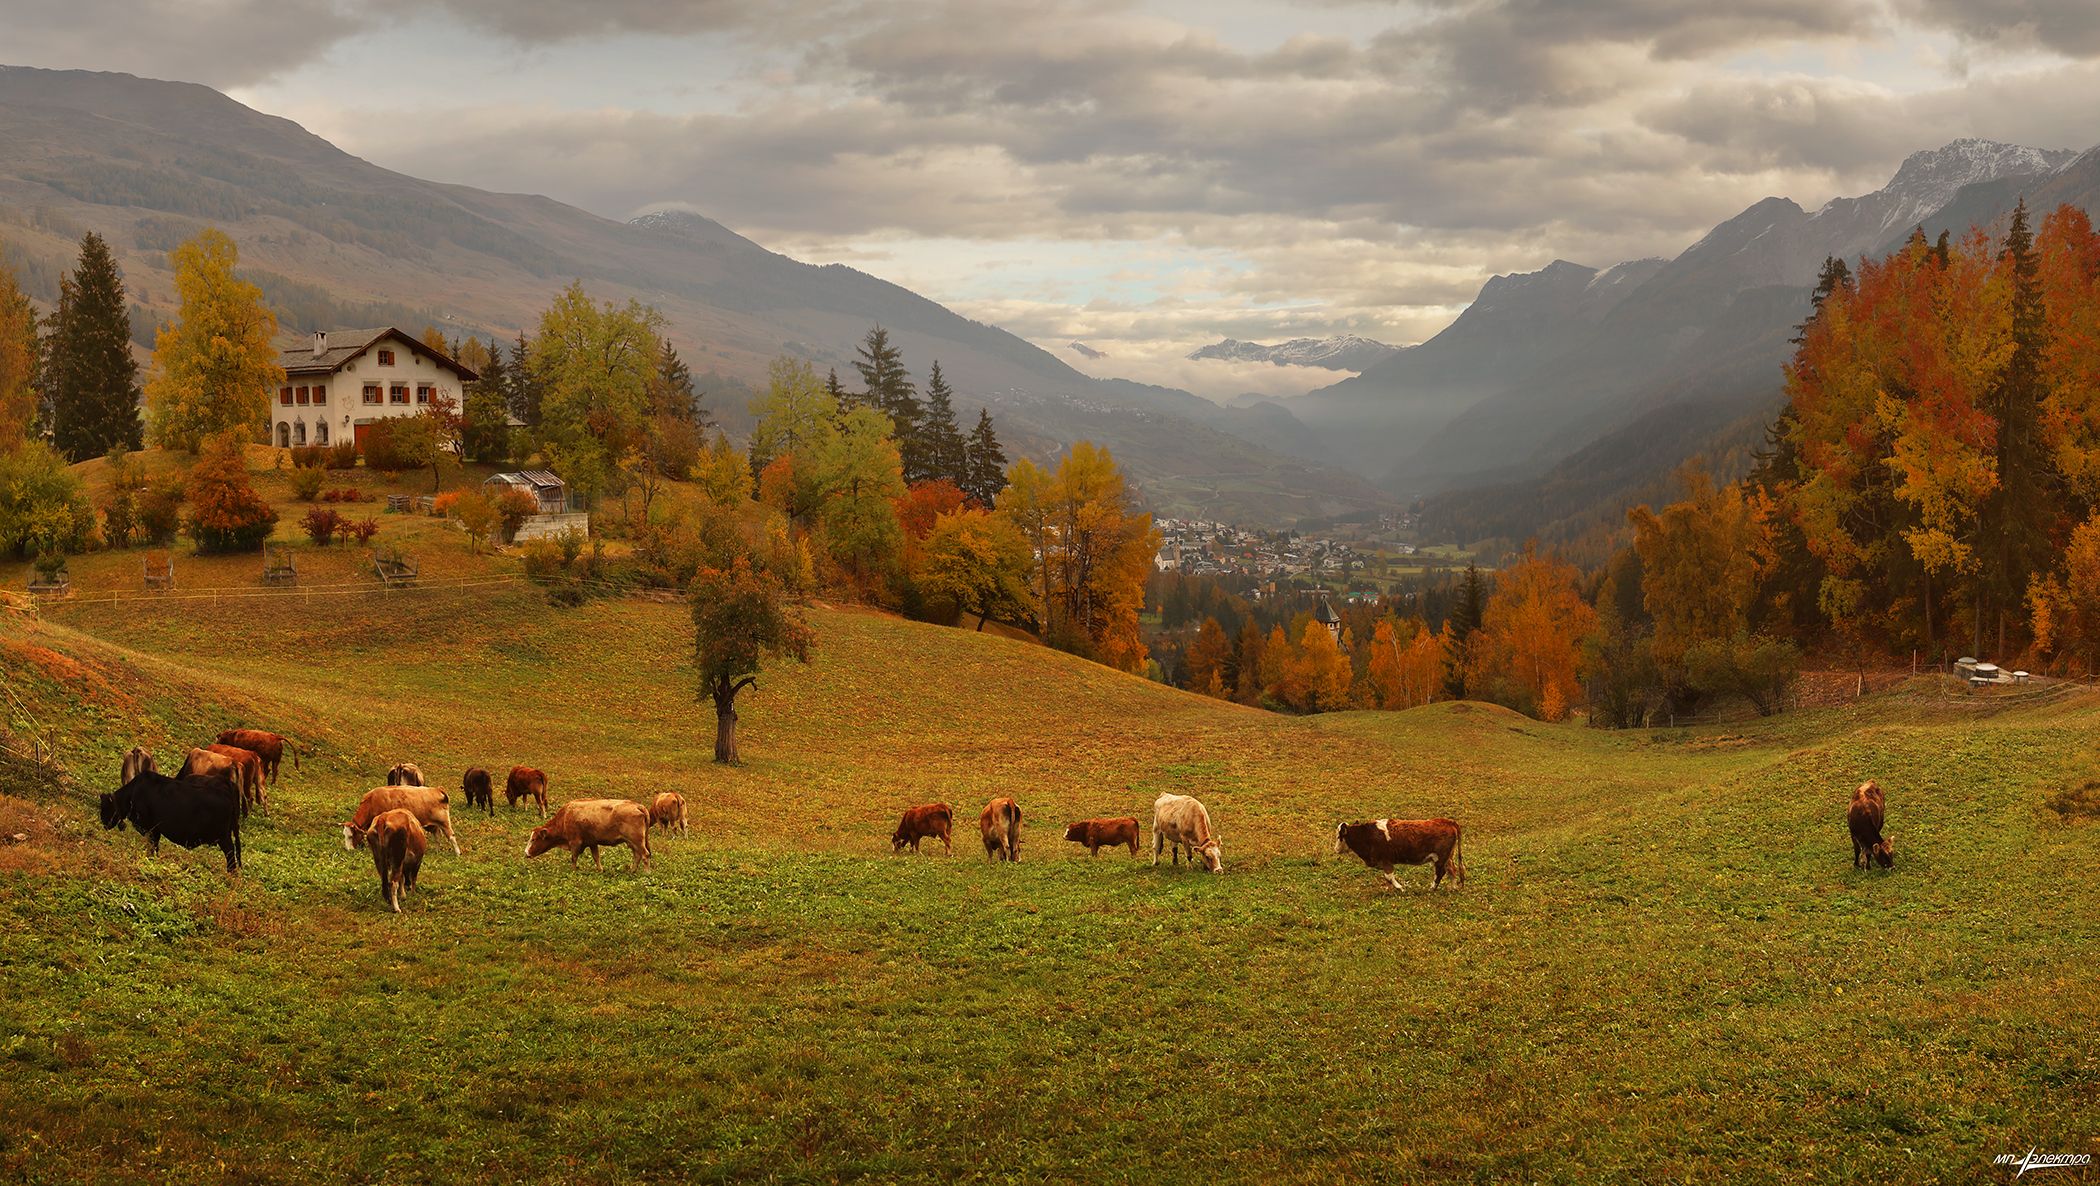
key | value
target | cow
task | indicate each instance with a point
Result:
(427, 804)
(1383, 843)
(1186, 823)
(588, 823)
(217, 765)
(927, 821)
(475, 785)
(251, 772)
(397, 843)
(405, 774)
(1000, 825)
(1869, 846)
(1097, 834)
(526, 783)
(669, 810)
(137, 762)
(270, 747)
(192, 811)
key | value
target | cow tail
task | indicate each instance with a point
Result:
(1458, 854)
(295, 754)
(240, 858)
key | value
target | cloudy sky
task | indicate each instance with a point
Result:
(1142, 175)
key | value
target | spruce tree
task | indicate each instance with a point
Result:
(888, 388)
(526, 391)
(672, 392)
(837, 390)
(92, 381)
(1467, 615)
(2017, 516)
(984, 462)
(486, 410)
(946, 454)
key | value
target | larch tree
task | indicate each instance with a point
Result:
(19, 359)
(981, 561)
(594, 363)
(742, 619)
(1026, 503)
(1100, 554)
(1529, 647)
(1209, 660)
(1700, 559)
(215, 367)
(91, 380)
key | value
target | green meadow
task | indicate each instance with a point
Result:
(1662, 966)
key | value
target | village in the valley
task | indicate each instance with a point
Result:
(1355, 558)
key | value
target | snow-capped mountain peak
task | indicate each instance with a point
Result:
(1344, 352)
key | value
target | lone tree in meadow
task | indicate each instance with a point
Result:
(741, 619)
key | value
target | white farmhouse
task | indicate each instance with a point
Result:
(339, 382)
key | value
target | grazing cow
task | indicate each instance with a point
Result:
(526, 783)
(1097, 834)
(1383, 843)
(478, 791)
(1864, 819)
(588, 823)
(397, 843)
(217, 765)
(405, 774)
(137, 762)
(1000, 824)
(270, 747)
(668, 810)
(1186, 823)
(927, 821)
(427, 804)
(192, 811)
(251, 767)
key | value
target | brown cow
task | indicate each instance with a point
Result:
(1000, 824)
(1185, 822)
(397, 843)
(251, 768)
(206, 762)
(478, 790)
(1383, 843)
(927, 821)
(588, 823)
(137, 762)
(270, 747)
(405, 774)
(1097, 834)
(427, 804)
(668, 810)
(526, 783)
(1863, 817)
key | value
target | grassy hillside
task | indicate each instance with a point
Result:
(1662, 966)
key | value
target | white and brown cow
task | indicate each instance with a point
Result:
(1185, 822)
(427, 804)
(406, 774)
(1384, 843)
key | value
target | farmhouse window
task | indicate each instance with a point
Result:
(284, 396)
(299, 433)
(320, 395)
(371, 393)
(397, 393)
(422, 393)
(305, 395)
(386, 358)
(321, 433)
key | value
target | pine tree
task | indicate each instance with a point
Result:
(671, 392)
(946, 452)
(486, 409)
(2017, 517)
(526, 391)
(1467, 614)
(984, 462)
(837, 390)
(92, 381)
(888, 388)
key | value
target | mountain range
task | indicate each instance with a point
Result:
(334, 240)
(1346, 352)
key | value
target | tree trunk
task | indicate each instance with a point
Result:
(725, 734)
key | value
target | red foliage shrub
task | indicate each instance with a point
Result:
(321, 524)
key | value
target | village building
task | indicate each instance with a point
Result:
(339, 382)
(1324, 614)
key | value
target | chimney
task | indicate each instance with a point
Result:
(320, 342)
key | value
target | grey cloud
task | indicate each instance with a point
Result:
(2067, 27)
(225, 44)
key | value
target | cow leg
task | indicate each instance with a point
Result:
(1156, 844)
(233, 855)
(454, 839)
(595, 862)
(1393, 879)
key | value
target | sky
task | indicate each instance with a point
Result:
(1145, 176)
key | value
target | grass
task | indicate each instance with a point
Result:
(1662, 967)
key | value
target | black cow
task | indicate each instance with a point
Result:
(193, 811)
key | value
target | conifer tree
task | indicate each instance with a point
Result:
(525, 390)
(91, 380)
(946, 454)
(485, 433)
(888, 389)
(1467, 614)
(984, 462)
(671, 391)
(2016, 519)
(837, 390)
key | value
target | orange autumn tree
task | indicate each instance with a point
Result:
(1406, 667)
(1095, 552)
(1529, 646)
(1316, 675)
(1209, 661)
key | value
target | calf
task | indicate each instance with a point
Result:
(1863, 817)
(428, 804)
(478, 791)
(207, 762)
(270, 747)
(137, 762)
(668, 809)
(526, 783)
(1383, 843)
(1097, 834)
(588, 823)
(1186, 823)
(405, 774)
(192, 811)
(927, 821)
(1000, 824)
(397, 843)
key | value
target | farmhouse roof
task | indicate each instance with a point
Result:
(528, 477)
(326, 351)
(1325, 614)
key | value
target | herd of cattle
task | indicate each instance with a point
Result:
(219, 784)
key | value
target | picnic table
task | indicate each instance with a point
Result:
(279, 567)
(395, 568)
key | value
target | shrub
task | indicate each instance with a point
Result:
(475, 513)
(160, 513)
(320, 524)
(513, 507)
(1761, 670)
(571, 542)
(120, 518)
(543, 559)
(309, 456)
(444, 504)
(364, 529)
(226, 514)
(344, 494)
(43, 507)
(342, 456)
(306, 482)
